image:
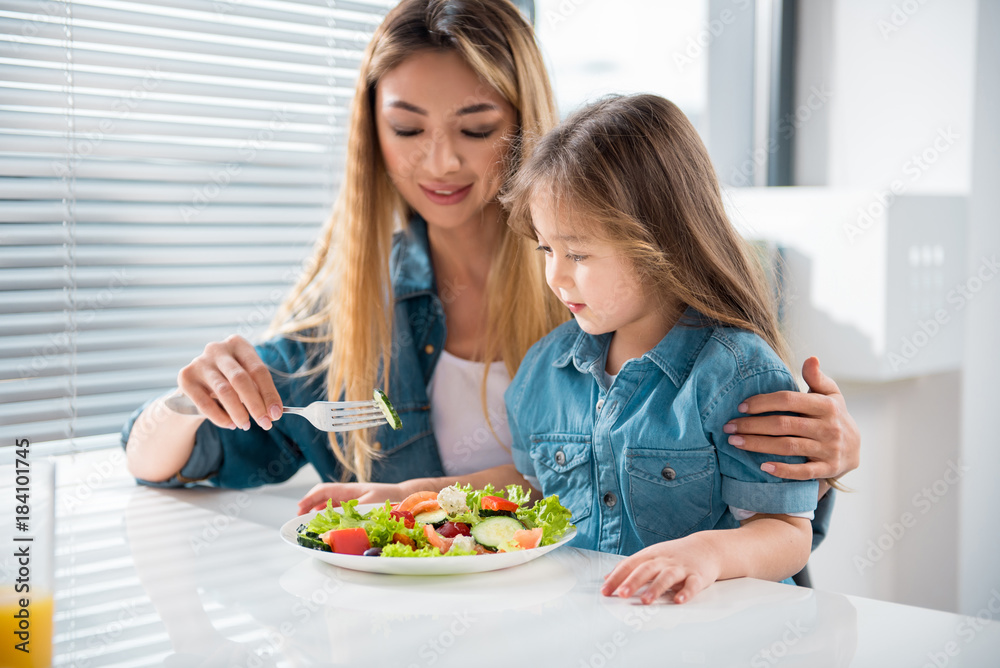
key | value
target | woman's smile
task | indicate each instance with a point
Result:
(446, 194)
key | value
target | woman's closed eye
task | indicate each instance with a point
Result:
(479, 134)
(472, 134)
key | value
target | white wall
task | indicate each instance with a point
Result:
(919, 529)
(979, 521)
(894, 81)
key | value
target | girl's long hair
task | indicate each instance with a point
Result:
(344, 298)
(633, 171)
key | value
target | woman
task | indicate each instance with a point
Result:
(449, 95)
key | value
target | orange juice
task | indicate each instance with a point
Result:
(39, 622)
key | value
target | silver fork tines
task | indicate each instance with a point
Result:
(324, 415)
(341, 416)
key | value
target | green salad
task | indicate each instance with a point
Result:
(456, 521)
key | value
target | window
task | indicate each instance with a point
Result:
(164, 168)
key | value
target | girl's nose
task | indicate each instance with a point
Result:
(556, 274)
(442, 158)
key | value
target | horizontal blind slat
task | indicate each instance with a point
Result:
(165, 167)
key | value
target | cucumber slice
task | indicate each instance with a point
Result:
(496, 513)
(495, 531)
(314, 543)
(387, 409)
(431, 516)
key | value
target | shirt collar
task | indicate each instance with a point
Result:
(675, 354)
(412, 272)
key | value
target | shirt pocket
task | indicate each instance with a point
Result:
(562, 464)
(670, 491)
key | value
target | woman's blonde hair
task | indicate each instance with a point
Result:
(344, 298)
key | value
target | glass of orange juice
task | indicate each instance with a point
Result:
(27, 548)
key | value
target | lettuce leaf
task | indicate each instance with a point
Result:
(400, 550)
(517, 494)
(377, 522)
(550, 515)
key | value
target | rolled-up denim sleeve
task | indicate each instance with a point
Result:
(744, 484)
(236, 458)
(204, 462)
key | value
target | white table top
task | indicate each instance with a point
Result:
(200, 577)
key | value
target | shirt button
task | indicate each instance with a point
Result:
(610, 499)
(600, 405)
(428, 349)
(376, 446)
(668, 473)
(560, 458)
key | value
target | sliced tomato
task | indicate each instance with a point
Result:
(436, 539)
(496, 503)
(414, 499)
(528, 538)
(425, 506)
(405, 540)
(347, 541)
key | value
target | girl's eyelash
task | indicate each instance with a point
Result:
(406, 133)
(544, 249)
(576, 258)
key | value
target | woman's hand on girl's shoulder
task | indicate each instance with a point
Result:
(685, 566)
(364, 492)
(823, 432)
(229, 384)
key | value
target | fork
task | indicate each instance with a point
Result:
(324, 415)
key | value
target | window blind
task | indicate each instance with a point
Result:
(164, 168)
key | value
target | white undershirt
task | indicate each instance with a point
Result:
(465, 442)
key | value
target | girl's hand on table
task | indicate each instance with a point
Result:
(686, 566)
(229, 384)
(824, 432)
(364, 492)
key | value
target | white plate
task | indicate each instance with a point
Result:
(479, 563)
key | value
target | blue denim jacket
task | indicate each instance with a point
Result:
(256, 457)
(646, 459)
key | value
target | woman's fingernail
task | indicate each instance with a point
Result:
(264, 422)
(736, 440)
(245, 426)
(767, 468)
(730, 428)
(231, 426)
(623, 592)
(275, 412)
(681, 598)
(742, 408)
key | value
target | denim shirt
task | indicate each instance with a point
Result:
(646, 459)
(234, 458)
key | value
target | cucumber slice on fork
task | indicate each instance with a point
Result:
(390, 413)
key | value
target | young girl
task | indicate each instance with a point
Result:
(622, 411)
